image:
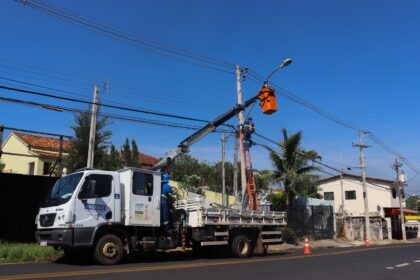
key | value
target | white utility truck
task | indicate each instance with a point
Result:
(112, 213)
(115, 213)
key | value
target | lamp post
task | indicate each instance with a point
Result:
(269, 106)
(285, 63)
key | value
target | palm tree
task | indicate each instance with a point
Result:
(293, 168)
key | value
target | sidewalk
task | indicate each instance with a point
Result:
(335, 243)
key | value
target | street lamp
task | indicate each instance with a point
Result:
(285, 63)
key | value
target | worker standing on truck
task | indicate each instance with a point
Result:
(167, 200)
(249, 128)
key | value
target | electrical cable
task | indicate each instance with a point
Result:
(117, 34)
(103, 105)
(108, 115)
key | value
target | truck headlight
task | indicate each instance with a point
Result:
(68, 218)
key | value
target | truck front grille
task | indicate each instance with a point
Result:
(47, 220)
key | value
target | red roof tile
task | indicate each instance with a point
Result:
(146, 160)
(42, 142)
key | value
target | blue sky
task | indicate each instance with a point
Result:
(358, 60)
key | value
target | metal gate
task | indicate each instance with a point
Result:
(317, 221)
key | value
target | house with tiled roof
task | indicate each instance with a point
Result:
(147, 161)
(31, 154)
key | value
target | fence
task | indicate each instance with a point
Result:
(21, 196)
(316, 221)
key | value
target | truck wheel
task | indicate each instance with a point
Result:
(241, 247)
(109, 250)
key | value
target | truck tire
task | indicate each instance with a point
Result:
(109, 250)
(241, 247)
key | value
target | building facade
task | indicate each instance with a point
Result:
(347, 194)
(30, 154)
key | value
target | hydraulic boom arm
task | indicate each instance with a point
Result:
(184, 146)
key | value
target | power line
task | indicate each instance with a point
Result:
(316, 162)
(112, 116)
(103, 105)
(120, 89)
(286, 94)
(120, 35)
(299, 153)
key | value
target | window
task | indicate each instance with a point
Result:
(329, 195)
(142, 183)
(31, 168)
(46, 169)
(394, 192)
(102, 186)
(350, 195)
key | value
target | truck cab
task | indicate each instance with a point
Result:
(89, 204)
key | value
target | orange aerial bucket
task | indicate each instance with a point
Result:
(267, 100)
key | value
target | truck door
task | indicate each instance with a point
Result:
(95, 204)
(144, 199)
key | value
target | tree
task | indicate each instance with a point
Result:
(191, 183)
(277, 200)
(291, 165)
(135, 160)
(79, 147)
(263, 179)
(413, 203)
(126, 152)
(184, 165)
(111, 160)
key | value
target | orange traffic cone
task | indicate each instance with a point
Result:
(366, 242)
(306, 249)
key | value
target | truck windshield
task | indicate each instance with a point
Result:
(62, 190)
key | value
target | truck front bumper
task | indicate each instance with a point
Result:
(55, 237)
(65, 237)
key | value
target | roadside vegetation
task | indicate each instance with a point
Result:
(27, 252)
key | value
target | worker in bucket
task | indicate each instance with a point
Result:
(167, 199)
(249, 128)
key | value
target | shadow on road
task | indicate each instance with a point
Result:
(160, 257)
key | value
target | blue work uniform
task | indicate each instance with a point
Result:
(249, 128)
(168, 195)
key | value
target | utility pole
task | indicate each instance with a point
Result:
(365, 194)
(1, 139)
(396, 166)
(241, 123)
(94, 113)
(223, 170)
(235, 166)
(342, 194)
(60, 158)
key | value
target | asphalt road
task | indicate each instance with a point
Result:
(381, 262)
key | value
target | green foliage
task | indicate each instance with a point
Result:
(111, 160)
(78, 150)
(23, 252)
(130, 154)
(191, 183)
(209, 175)
(306, 185)
(184, 165)
(2, 165)
(263, 180)
(413, 203)
(135, 160)
(292, 165)
(277, 200)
